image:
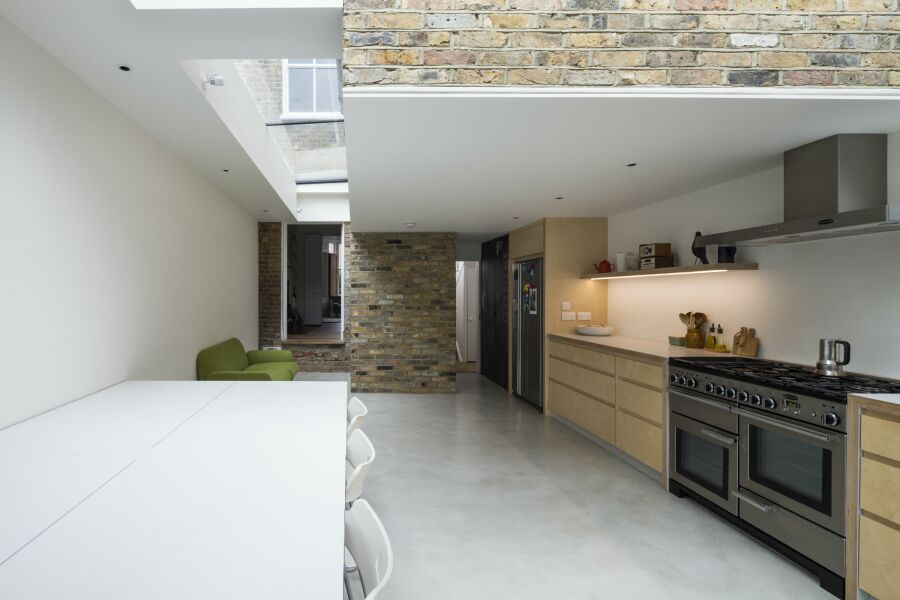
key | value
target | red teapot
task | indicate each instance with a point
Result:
(603, 266)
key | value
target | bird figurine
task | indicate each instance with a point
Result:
(699, 251)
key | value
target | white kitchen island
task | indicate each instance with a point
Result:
(177, 490)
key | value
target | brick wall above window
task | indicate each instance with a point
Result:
(622, 42)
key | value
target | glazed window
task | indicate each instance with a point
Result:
(312, 89)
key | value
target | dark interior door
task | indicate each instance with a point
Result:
(495, 310)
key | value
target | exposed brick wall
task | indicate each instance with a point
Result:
(403, 312)
(269, 284)
(400, 298)
(321, 358)
(622, 42)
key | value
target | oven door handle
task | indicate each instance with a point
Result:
(753, 501)
(725, 439)
(704, 401)
(822, 437)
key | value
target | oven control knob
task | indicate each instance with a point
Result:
(730, 393)
(682, 380)
(673, 378)
(691, 382)
(742, 396)
(769, 403)
(709, 388)
(755, 400)
(720, 390)
(831, 419)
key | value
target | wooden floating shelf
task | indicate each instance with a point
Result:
(691, 270)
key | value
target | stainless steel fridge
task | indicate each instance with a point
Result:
(528, 331)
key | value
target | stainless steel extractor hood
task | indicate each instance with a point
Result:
(833, 187)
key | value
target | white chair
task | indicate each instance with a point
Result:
(368, 544)
(356, 414)
(360, 454)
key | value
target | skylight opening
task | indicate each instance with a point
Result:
(301, 102)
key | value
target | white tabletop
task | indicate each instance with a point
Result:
(123, 418)
(38, 489)
(242, 500)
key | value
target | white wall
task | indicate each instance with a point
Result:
(117, 261)
(845, 288)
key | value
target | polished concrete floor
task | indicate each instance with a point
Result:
(484, 498)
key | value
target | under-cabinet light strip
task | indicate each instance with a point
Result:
(599, 277)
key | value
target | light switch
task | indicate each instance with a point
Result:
(584, 316)
(567, 306)
(568, 315)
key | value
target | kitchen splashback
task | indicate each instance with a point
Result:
(842, 288)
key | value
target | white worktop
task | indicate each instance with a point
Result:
(659, 349)
(234, 491)
(885, 398)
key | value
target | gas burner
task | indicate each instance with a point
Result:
(789, 377)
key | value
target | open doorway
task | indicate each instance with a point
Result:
(314, 283)
(467, 317)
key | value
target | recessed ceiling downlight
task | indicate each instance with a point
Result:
(124, 68)
(631, 165)
(409, 225)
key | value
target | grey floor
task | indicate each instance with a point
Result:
(484, 498)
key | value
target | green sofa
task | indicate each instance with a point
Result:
(229, 362)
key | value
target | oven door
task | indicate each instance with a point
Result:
(798, 467)
(704, 459)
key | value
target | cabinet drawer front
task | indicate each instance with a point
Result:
(640, 401)
(639, 372)
(639, 439)
(880, 436)
(590, 358)
(879, 489)
(879, 559)
(584, 380)
(588, 413)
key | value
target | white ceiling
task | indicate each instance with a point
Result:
(91, 37)
(458, 160)
(471, 161)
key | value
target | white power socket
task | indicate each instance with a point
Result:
(568, 315)
(567, 305)
(584, 316)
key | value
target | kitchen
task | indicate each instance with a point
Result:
(697, 421)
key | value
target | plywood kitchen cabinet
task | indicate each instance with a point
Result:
(617, 396)
(873, 493)
(568, 247)
(527, 242)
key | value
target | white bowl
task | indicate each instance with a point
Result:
(594, 330)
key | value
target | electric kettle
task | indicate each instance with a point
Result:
(828, 363)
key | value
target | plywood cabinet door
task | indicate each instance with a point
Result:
(592, 415)
(879, 559)
(640, 439)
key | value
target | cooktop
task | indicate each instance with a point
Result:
(789, 377)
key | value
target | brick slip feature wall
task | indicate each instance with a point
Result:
(622, 42)
(269, 284)
(403, 312)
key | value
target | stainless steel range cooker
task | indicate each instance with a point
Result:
(763, 444)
